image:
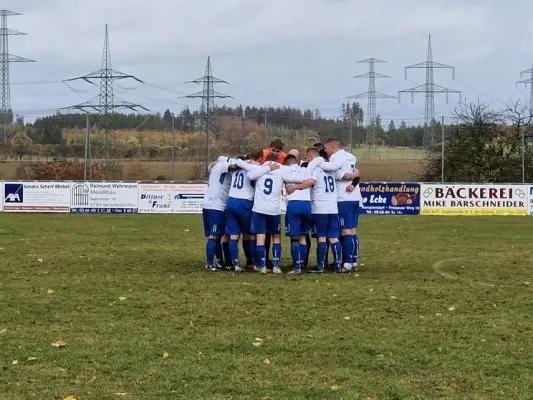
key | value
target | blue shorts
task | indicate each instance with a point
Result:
(214, 222)
(263, 224)
(348, 214)
(238, 216)
(298, 218)
(326, 225)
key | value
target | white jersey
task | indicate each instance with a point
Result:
(324, 193)
(342, 162)
(304, 173)
(267, 199)
(242, 182)
(218, 186)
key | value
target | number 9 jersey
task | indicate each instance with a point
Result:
(267, 197)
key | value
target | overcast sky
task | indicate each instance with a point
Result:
(301, 53)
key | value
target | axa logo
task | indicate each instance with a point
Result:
(14, 193)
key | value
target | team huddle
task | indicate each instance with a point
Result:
(244, 197)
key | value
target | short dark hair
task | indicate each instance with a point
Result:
(289, 158)
(271, 157)
(332, 140)
(277, 143)
(318, 146)
(256, 155)
(313, 150)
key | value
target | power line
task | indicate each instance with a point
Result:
(5, 59)
(429, 89)
(528, 81)
(106, 102)
(371, 95)
(208, 96)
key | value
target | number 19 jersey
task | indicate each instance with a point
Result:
(324, 193)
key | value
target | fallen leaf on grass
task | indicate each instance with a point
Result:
(3, 331)
(166, 356)
(258, 339)
(371, 290)
(438, 314)
(347, 318)
(334, 295)
(266, 361)
(443, 335)
(120, 394)
(58, 344)
(393, 297)
(40, 260)
(186, 230)
(334, 388)
(62, 373)
(257, 344)
(69, 398)
(30, 359)
(51, 291)
(122, 298)
(15, 362)
(527, 283)
(452, 308)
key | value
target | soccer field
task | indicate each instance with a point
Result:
(441, 309)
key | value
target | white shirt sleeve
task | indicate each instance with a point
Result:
(333, 165)
(315, 163)
(314, 176)
(339, 174)
(257, 171)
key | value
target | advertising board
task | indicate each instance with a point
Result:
(530, 201)
(105, 197)
(42, 196)
(473, 199)
(390, 198)
(171, 198)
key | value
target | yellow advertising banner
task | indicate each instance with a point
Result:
(473, 199)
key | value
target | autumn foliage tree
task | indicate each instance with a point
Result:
(21, 144)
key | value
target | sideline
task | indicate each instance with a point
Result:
(437, 267)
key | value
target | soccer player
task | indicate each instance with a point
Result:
(298, 217)
(239, 207)
(324, 212)
(213, 211)
(266, 218)
(275, 147)
(349, 200)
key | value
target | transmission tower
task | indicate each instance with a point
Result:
(429, 89)
(6, 58)
(207, 110)
(106, 102)
(371, 95)
(528, 81)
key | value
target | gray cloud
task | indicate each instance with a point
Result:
(301, 52)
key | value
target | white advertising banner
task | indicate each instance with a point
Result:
(39, 196)
(105, 197)
(171, 198)
(473, 199)
(1, 196)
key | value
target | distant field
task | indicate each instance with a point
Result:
(381, 163)
(440, 310)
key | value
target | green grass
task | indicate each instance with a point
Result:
(365, 153)
(403, 339)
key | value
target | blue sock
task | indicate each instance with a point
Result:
(347, 249)
(336, 249)
(252, 245)
(210, 249)
(276, 254)
(296, 255)
(218, 252)
(326, 260)
(304, 255)
(308, 250)
(234, 251)
(321, 251)
(260, 256)
(226, 253)
(246, 248)
(356, 248)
